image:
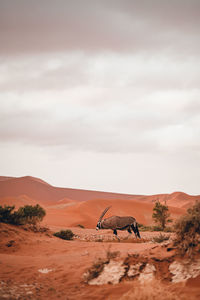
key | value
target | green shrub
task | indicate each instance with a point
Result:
(30, 214)
(64, 234)
(6, 213)
(187, 230)
(161, 214)
(27, 214)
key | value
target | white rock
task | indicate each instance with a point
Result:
(111, 273)
(45, 271)
(147, 273)
(184, 270)
(134, 270)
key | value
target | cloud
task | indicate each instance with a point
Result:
(118, 129)
(106, 71)
(93, 26)
(103, 86)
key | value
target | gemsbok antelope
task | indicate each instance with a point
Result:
(118, 223)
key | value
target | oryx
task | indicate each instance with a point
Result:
(118, 223)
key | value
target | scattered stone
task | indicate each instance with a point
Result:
(45, 271)
(10, 243)
(184, 270)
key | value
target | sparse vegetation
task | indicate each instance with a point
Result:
(64, 234)
(80, 225)
(161, 214)
(154, 228)
(95, 269)
(6, 213)
(99, 264)
(111, 254)
(161, 238)
(169, 229)
(187, 230)
(27, 214)
(144, 227)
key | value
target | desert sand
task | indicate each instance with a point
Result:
(37, 265)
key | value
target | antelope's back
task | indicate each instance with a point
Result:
(116, 222)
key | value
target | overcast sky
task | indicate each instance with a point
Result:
(101, 95)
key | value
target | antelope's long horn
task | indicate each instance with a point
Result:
(104, 212)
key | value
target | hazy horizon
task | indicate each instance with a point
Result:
(101, 95)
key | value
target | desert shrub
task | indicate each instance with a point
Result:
(161, 238)
(6, 213)
(80, 225)
(64, 234)
(27, 214)
(98, 266)
(95, 269)
(144, 227)
(161, 214)
(111, 254)
(187, 230)
(169, 229)
(156, 228)
(149, 228)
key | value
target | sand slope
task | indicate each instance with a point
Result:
(41, 191)
(88, 212)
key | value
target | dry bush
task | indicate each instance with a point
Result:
(27, 214)
(161, 238)
(64, 234)
(95, 270)
(187, 230)
(81, 226)
(152, 291)
(111, 254)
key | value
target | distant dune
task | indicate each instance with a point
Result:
(70, 207)
(41, 191)
(88, 212)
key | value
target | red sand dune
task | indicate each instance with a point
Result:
(41, 191)
(87, 213)
(45, 193)
(176, 199)
(70, 207)
(18, 201)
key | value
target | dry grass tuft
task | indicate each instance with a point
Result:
(161, 238)
(99, 264)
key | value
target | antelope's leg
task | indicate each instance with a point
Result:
(115, 233)
(134, 230)
(129, 231)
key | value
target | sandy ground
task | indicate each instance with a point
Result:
(39, 266)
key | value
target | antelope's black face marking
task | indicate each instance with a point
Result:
(98, 226)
